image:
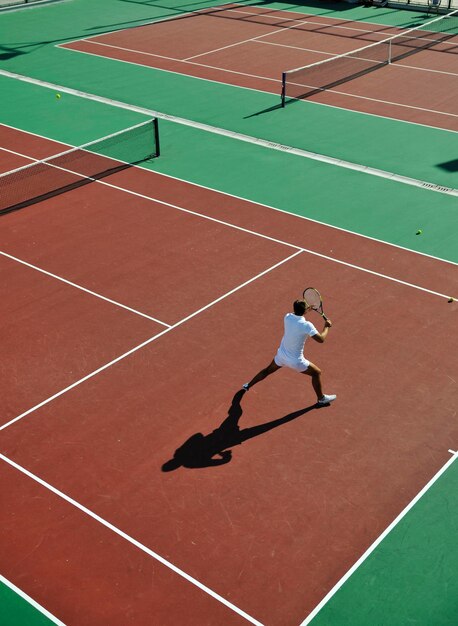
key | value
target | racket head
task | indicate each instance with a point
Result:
(313, 299)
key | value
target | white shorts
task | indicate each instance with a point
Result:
(299, 365)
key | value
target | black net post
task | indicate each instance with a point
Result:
(283, 88)
(156, 137)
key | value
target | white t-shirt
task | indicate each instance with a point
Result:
(297, 330)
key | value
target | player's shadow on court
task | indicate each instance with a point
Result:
(213, 449)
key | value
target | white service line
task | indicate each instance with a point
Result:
(30, 600)
(92, 293)
(145, 343)
(130, 539)
(161, 56)
(242, 41)
(371, 548)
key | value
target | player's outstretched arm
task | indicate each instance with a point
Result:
(321, 337)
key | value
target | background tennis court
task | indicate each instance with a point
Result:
(137, 304)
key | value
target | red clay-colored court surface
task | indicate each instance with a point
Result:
(136, 345)
(251, 46)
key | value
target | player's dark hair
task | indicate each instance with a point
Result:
(299, 307)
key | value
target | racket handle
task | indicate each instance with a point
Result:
(324, 317)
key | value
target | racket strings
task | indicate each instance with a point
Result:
(312, 298)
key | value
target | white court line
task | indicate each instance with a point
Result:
(168, 18)
(284, 45)
(275, 240)
(274, 80)
(245, 230)
(425, 185)
(371, 548)
(161, 56)
(131, 540)
(330, 55)
(242, 41)
(425, 69)
(148, 341)
(216, 130)
(92, 293)
(267, 206)
(369, 99)
(30, 600)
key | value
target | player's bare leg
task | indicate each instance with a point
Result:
(315, 373)
(270, 369)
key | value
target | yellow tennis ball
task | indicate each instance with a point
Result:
(419, 231)
(58, 96)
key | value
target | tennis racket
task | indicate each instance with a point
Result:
(313, 298)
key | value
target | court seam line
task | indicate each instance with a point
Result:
(129, 539)
(268, 79)
(379, 539)
(72, 284)
(282, 211)
(150, 340)
(28, 598)
(425, 185)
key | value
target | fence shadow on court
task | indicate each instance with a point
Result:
(214, 449)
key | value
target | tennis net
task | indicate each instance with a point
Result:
(78, 166)
(305, 81)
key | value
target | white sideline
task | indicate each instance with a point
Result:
(142, 345)
(92, 293)
(131, 540)
(371, 548)
(30, 600)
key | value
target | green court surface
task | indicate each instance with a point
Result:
(417, 151)
(411, 576)
(286, 181)
(18, 611)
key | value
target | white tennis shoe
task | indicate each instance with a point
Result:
(327, 399)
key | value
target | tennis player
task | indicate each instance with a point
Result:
(291, 351)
